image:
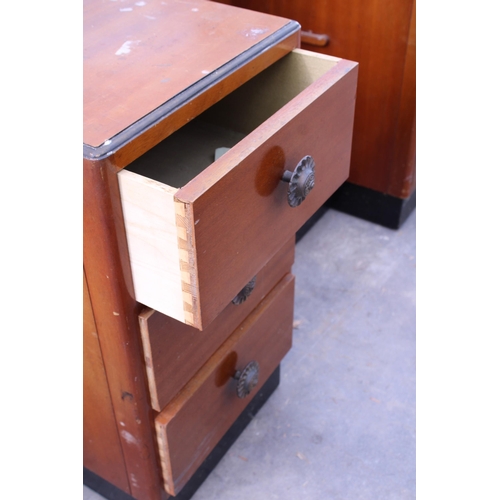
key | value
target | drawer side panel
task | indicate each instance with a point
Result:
(151, 222)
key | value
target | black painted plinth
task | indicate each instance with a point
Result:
(310, 223)
(373, 206)
(111, 492)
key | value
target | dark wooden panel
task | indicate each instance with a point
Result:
(138, 57)
(102, 451)
(192, 424)
(381, 37)
(229, 250)
(174, 351)
(403, 173)
(109, 281)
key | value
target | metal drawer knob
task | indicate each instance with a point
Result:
(245, 293)
(247, 379)
(301, 181)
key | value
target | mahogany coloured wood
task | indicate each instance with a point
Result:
(106, 259)
(131, 67)
(217, 231)
(107, 269)
(192, 424)
(246, 181)
(174, 352)
(403, 174)
(102, 450)
(381, 37)
(166, 123)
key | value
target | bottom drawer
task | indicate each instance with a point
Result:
(192, 424)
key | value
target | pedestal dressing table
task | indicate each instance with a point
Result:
(188, 291)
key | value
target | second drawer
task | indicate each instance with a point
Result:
(174, 352)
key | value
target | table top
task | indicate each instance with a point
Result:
(139, 55)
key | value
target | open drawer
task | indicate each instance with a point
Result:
(198, 230)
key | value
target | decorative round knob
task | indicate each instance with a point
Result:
(245, 293)
(247, 379)
(301, 181)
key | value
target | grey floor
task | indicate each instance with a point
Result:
(341, 425)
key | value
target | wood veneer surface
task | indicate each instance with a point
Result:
(380, 36)
(107, 269)
(137, 57)
(174, 352)
(192, 424)
(246, 181)
(102, 451)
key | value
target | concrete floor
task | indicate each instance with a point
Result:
(341, 425)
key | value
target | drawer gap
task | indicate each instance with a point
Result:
(187, 152)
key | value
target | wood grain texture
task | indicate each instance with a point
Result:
(102, 451)
(149, 211)
(138, 57)
(246, 181)
(174, 352)
(169, 123)
(380, 36)
(301, 105)
(403, 175)
(190, 426)
(107, 268)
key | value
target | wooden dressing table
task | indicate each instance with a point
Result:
(188, 291)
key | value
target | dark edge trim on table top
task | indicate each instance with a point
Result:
(157, 115)
(111, 492)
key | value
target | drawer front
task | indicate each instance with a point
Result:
(197, 418)
(193, 248)
(174, 352)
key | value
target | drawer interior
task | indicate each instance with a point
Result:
(183, 155)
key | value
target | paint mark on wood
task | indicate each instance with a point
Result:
(127, 395)
(126, 9)
(254, 32)
(128, 437)
(126, 47)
